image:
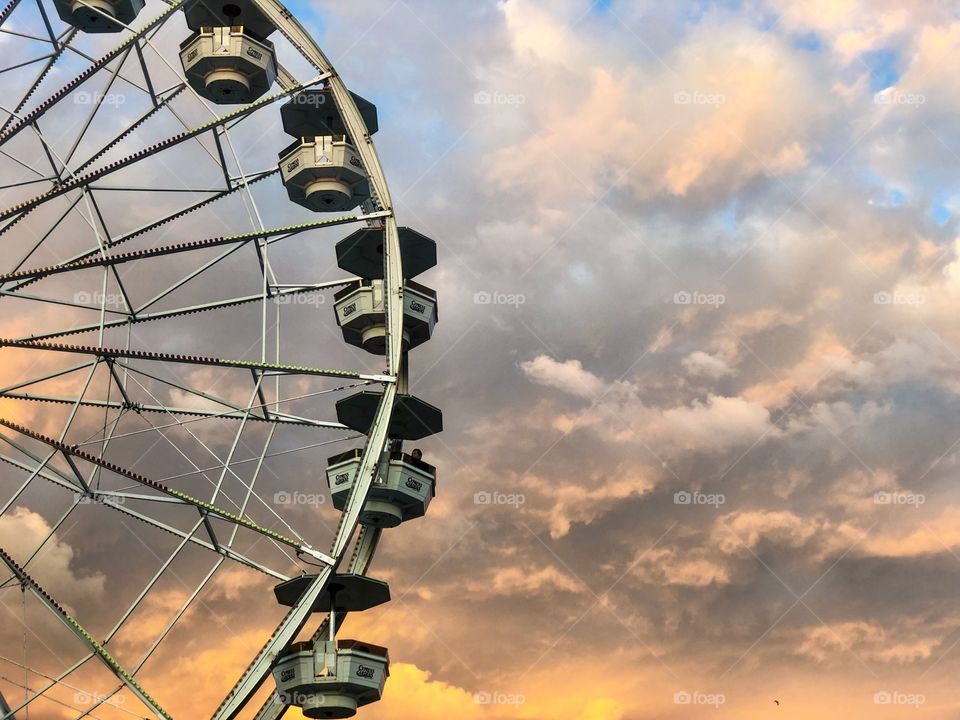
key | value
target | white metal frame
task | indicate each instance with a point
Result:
(121, 361)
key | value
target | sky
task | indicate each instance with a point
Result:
(697, 356)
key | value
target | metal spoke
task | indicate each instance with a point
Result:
(261, 367)
(83, 635)
(136, 157)
(202, 506)
(116, 501)
(90, 262)
(8, 132)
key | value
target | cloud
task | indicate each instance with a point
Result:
(670, 567)
(921, 536)
(706, 365)
(582, 502)
(854, 27)
(412, 692)
(743, 531)
(514, 581)
(568, 376)
(603, 709)
(714, 112)
(716, 424)
(198, 671)
(55, 568)
(868, 641)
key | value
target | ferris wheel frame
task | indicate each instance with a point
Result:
(393, 379)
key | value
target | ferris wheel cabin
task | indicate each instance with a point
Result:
(98, 16)
(330, 678)
(228, 59)
(322, 170)
(360, 306)
(402, 491)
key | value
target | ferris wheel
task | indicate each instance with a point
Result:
(186, 373)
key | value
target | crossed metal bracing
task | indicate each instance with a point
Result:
(103, 388)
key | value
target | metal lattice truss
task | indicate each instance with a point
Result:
(110, 280)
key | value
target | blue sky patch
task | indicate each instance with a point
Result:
(811, 42)
(884, 68)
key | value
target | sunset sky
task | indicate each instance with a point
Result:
(698, 357)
